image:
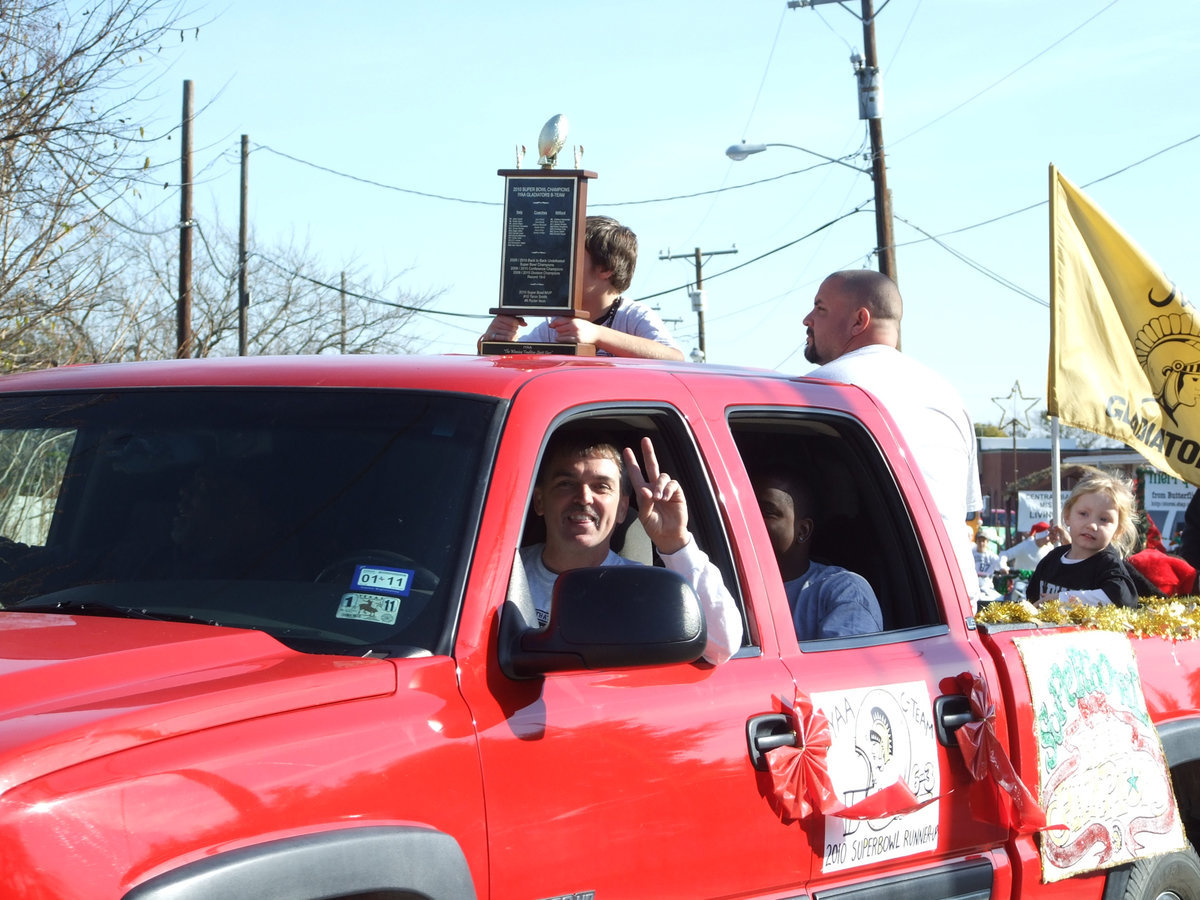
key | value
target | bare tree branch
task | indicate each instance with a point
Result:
(70, 143)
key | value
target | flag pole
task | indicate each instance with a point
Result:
(1055, 472)
(1052, 400)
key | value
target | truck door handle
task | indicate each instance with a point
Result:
(951, 712)
(765, 733)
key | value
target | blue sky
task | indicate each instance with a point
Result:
(979, 98)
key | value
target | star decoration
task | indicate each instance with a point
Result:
(1017, 416)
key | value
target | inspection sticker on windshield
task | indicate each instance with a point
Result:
(369, 608)
(383, 580)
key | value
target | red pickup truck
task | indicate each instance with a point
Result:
(257, 640)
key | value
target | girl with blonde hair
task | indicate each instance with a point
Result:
(1101, 519)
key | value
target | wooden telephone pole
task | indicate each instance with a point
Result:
(870, 107)
(698, 294)
(243, 231)
(184, 311)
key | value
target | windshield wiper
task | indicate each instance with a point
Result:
(96, 608)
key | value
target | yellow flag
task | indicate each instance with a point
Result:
(1124, 343)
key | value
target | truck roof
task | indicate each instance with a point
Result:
(498, 376)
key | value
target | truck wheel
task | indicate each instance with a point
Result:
(1174, 876)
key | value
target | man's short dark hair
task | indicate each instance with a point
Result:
(874, 290)
(804, 501)
(612, 246)
(581, 444)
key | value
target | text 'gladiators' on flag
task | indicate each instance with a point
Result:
(1124, 343)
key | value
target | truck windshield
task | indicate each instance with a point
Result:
(335, 520)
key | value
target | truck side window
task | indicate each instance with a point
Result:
(864, 523)
(678, 456)
(34, 463)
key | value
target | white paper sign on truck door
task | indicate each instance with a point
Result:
(880, 735)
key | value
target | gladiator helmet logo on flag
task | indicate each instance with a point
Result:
(1168, 349)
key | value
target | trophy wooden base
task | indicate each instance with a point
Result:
(520, 311)
(520, 348)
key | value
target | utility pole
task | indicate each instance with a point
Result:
(870, 107)
(184, 312)
(243, 228)
(697, 296)
(342, 339)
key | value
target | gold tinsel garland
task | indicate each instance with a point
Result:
(1174, 618)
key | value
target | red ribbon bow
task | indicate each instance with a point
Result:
(800, 776)
(997, 794)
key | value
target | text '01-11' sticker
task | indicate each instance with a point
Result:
(375, 593)
(382, 580)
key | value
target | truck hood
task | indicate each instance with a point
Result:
(74, 688)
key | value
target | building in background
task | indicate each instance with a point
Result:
(1010, 468)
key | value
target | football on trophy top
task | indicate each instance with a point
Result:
(552, 139)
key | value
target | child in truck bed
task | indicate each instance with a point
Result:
(1101, 520)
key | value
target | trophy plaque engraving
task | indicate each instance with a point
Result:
(543, 255)
(543, 238)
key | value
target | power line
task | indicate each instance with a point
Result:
(393, 187)
(123, 226)
(435, 312)
(957, 254)
(927, 236)
(695, 194)
(903, 34)
(761, 256)
(103, 210)
(1000, 279)
(979, 267)
(834, 31)
(720, 190)
(367, 297)
(1144, 159)
(705, 193)
(209, 252)
(1040, 203)
(1004, 78)
(766, 71)
(378, 184)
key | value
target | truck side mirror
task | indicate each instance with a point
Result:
(612, 617)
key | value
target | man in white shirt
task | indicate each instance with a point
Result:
(581, 495)
(853, 336)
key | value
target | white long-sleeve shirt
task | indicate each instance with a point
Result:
(723, 621)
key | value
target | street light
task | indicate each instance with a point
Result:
(884, 250)
(738, 152)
